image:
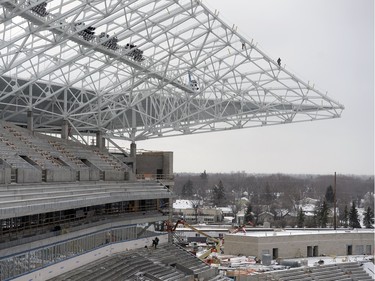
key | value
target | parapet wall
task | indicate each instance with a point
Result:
(4, 175)
(28, 175)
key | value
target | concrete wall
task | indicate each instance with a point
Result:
(150, 162)
(168, 163)
(4, 175)
(292, 246)
(240, 245)
(60, 175)
(94, 174)
(29, 175)
(114, 175)
(84, 175)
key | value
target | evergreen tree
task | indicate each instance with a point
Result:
(300, 218)
(268, 195)
(322, 214)
(353, 217)
(314, 219)
(330, 195)
(219, 194)
(345, 217)
(249, 216)
(204, 175)
(368, 219)
(187, 189)
(201, 185)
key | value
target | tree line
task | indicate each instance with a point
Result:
(281, 195)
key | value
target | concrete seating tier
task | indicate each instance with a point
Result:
(24, 143)
(333, 272)
(170, 254)
(9, 154)
(21, 148)
(77, 152)
(143, 262)
(355, 271)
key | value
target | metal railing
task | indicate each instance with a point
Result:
(155, 177)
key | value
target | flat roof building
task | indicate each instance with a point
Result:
(300, 243)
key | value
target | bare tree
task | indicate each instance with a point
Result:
(195, 203)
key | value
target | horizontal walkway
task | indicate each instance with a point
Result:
(19, 200)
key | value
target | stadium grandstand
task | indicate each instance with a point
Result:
(352, 271)
(76, 77)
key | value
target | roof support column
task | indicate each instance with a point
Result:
(133, 155)
(100, 141)
(30, 120)
(65, 130)
(133, 146)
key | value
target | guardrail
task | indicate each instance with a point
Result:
(155, 177)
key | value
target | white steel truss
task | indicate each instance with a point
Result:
(139, 69)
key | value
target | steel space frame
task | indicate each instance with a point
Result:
(195, 73)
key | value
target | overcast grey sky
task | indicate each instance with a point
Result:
(327, 42)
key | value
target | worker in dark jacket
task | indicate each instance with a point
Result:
(155, 242)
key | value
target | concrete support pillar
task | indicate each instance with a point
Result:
(158, 204)
(100, 140)
(133, 149)
(133, 155)
(30, 120)
(65, 130)
(136, 205)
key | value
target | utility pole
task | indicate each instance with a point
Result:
(334, 203)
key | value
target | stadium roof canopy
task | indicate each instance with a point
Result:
(139, 69)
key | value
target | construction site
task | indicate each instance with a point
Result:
(80, 78)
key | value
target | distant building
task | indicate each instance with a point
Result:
(265, 217)
(298, 244)
(228, 215)
(185, 210)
